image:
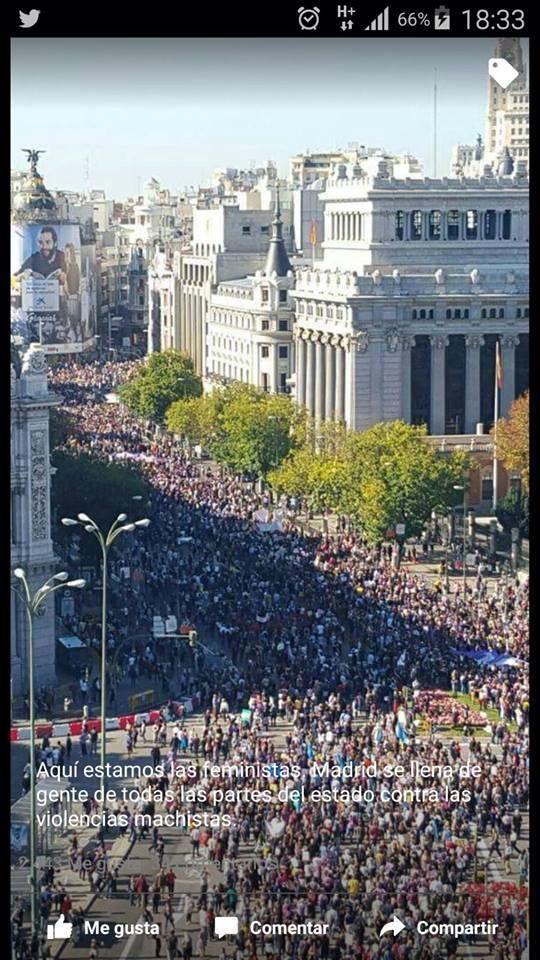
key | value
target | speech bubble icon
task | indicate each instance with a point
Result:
(502, 72)
(225, 926)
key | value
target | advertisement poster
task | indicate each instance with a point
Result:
(53, 287)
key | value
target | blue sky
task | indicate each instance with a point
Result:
(177, 108)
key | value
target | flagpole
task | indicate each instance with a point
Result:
(496, 418)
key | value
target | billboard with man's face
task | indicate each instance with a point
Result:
(53, 288)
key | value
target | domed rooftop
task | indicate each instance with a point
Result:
(34, 202)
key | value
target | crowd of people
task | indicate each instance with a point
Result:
(327, 637)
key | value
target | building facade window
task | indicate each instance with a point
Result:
(265, 351)
(455, 384)
(416, 225)
(487, 379)
(507, 225)
(452, 225)
(490, 225)
(487, 488)
(421, 380)
(471, 225)
(435, 225)
(283, 353)
(399, 231)
(283, 296)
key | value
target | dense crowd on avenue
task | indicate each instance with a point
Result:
(327, 634)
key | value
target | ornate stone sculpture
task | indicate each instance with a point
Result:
(474, 342)
(509, 341)
(392, 339)
(439, 342)
(34, 360)
(38, 474)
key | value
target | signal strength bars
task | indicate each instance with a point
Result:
(382, 22)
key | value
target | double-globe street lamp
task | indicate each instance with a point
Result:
(105, 542)
(33, 602)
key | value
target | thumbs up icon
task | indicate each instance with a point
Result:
(61, 930)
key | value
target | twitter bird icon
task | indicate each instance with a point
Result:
(28, 19)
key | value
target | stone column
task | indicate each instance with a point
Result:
(438, 399)
(330, 378)
(319, 379)
(193, 324)
(339, 401)
(360, 380)
(198, 333)
(377, 384)
(472, 381)
(407, 343)
(310, 375)
(508, 361)
(300, 369)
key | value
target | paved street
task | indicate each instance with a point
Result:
(189, 870)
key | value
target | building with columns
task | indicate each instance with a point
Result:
(31, 543)
(249, 336)
(418, 280)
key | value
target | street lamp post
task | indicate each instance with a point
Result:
(463, 487)
(105, 542)
(446, 559)
(32, 604)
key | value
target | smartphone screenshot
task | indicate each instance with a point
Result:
(269, 489)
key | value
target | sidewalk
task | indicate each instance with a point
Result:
(57, 856)
(427, 566)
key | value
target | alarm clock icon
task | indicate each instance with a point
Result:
(308, 18)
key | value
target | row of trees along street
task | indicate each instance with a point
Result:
(385, 475)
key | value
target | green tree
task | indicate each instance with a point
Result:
(393, 475)
(255, 430)
(314, 472)
(195, 420)
(512, 439)
(385, 475)
(160, 380)
(513, 511)
(82, 484)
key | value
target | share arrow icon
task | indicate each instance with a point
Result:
(395, 926)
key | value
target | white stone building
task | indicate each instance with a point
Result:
(31, 543)
(418, 280)
(249, 334)
(228, 243)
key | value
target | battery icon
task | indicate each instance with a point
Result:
(442, 18)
